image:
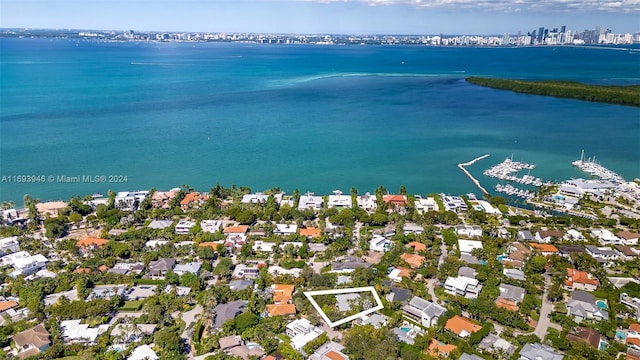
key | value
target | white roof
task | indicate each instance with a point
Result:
(466, 246)
(74, 331)
(143, 352)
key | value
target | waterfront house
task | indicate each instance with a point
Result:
(582, 306)
(367, 202)
(31, 342)
(546, 236)
(425, 313)
(425, 205)
(338, 200)
(539, 351)
(162, 199)
(580, 280)
(130, 200)
(453, 203)
(257, 198)
(395, 200)
(193, 200)
(462, 326)
(310, 201)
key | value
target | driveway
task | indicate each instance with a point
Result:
(547, 307)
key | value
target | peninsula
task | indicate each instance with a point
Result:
(620, 95)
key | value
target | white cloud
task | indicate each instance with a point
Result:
(618, 6)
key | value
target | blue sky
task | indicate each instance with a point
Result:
(324, 16)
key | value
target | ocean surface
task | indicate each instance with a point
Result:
(313, 118)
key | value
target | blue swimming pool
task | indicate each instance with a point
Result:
(602, 304)
(621, 335)
(405, 329)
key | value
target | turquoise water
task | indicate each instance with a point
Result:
(602, 304)
(621, 335)
(315, 118)
(405, 329)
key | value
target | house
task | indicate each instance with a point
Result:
(23, 263)
(397, 274)
(493, 343)
(193, 200)
(156, 243)
(379, 243)
(348, 265)
(183, 226)
(89, 244)
(301, 332)
(453, 203)
(106, 292)
(9, 245)
(236, 236)
(257, 198)
(544, 249)
(228, 311)
(632, 303)
(5, 305)
(468, 231)
(239, 285)
(466, 356)
(229, 342)
(160, 224)
(126, 200)
(466, 247)
(580, 280)
(395, 200)
(127, 268)
(139, 292)
(545, 236)
(310, 201)
(191, 267)
(282, 297)
(525, 236)
(425, 313)
(603, 254)
(143, 352)
(539, 351)
(75, 332)
(345, 301)
(605, 237)
(310, 232)
(425, 205)
(574, 235)
(467, 271)
(462, 326)
(633, 336)
(586, 335)
(285, 229)
(159, 268)
(518, 254)
(376, 320)
(416, 246)
(628, 238)
(414, 260)
(211, 226)
(514, 274)
(162, 199)
(246, 271)
(329, 351)
(410, 228)
(510, 296)
(367, 202)
(567, 250)
(582, 306)
(339, 201)
(439, 349)
(32, 341)
(626, 253)
(463, 286)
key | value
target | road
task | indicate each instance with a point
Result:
(547, 307)
(189, 318)
(431, 283)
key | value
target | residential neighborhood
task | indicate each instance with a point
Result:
(236, 274)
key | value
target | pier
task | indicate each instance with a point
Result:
(475, 181)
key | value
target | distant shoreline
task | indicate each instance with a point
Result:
(628, 95)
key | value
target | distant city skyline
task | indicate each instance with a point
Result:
(324, 16)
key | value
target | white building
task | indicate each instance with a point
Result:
(9, 245)
(211, 226)
(75, 332)
(23, 263)
(285, 229)
(466, 247)
(302, 332)
(379, 243)
(424, 312)
(425, 205)
(128, 200)
(184, 226)
(367, 202)
(468, 230)
(310, 201)
(605, 237)
(463, 286)
(257, 198)
(338, 200)
(192, 267)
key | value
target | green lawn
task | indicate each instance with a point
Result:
(132, 305)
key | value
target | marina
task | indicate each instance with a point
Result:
(511, 190)
(508, 169)
(591, 167)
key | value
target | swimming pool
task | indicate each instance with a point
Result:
(621, 335)
(601, 304)
(405, 329)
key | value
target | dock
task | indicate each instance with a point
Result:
(475, 181)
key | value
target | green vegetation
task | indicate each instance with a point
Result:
(612, 94)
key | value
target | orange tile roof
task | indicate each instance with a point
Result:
(332, 355)
(634, 327)
(91, 241)
(458, 324)
(192, 197)
(6, 305)
(282, 293)
(581, 277)
(633, 341)
(310, 232)
(544, 247)
(281, 309)
(628, 235)
(417, 246)
(270, 357)
(436, 347)
(82, 270)
(240, 229)
(404, 272)
(414, 260)
(400, 199)
(507, 304)
(210, 244)
(103, 268)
